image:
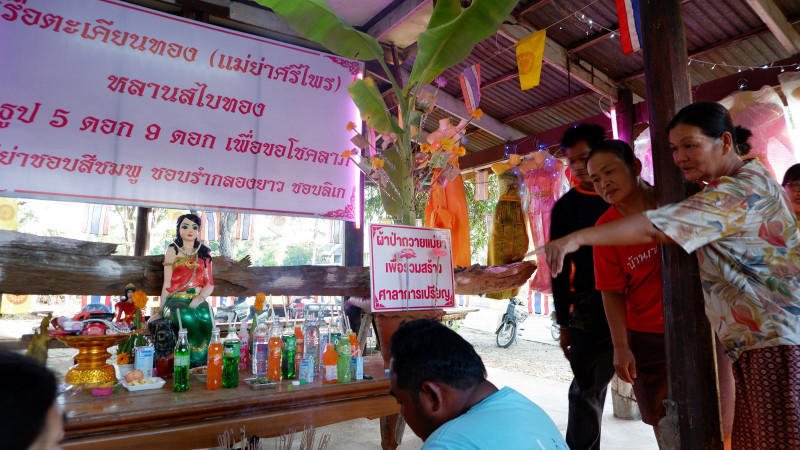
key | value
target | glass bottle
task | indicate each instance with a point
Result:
(343, 362)
(181, 374)
(260, 351)
(230, 360)
(288, 368)
(214, 372)
(275, 349)
(244, 345)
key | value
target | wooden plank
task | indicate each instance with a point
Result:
(559, 58)
(692, 406)
(775, 20)
(45, 265)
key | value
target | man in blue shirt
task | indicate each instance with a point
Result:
(440, 383)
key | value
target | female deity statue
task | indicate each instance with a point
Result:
(124, 309)
(187, 283)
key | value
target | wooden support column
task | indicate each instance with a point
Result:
(626, 116)
(142, 232)
(693, 419)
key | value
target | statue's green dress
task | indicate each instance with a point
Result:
(189, 276)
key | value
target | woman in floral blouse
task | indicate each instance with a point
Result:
(748, 248)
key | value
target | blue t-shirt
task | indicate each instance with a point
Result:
(503, 420)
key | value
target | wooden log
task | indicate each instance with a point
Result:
(51, 265)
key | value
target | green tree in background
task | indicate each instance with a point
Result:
(480, 213)
(298, 255)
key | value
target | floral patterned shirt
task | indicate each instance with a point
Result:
(748, 248)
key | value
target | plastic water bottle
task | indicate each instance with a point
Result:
(230, 361)
(275, 349)
(260, 351)
(287, 358)
(244, 345)
(343, 364)
(181, 374)
(311, 342)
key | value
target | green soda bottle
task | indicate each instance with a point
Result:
(230, 361)
(343, 365)
(181, 374)
(287, 358)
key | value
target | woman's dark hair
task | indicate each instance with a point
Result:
(714, 120)
(587, 132)
(618, 148)
(425, 350)
(27, 392)
(204, 253)
(792, 174)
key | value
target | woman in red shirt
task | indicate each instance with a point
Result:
(630, 279)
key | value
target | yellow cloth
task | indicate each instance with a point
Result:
(508, 240)
(529, 59)
(9, 211)
(447, 208)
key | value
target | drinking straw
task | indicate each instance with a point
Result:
(344, 316)
(180, 323)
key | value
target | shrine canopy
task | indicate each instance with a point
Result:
(109, 102)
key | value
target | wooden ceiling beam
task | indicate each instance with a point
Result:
(559, 58)
(396, 17)
(776, 21)
(715, 46)
(533, 7)
(495, 81)
(544, 106)
(596, 39)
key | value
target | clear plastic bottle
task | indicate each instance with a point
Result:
(230, 360)
(214, 372)
(343, 362)
(299, 341)
(260, 351)
(244, 345)
(275, 349)
(311, 342)
(181, 374)
(330, 361)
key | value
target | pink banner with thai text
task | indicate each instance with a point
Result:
(109, 102)
(410, 268)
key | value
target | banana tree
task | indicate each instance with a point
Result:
(404, 165)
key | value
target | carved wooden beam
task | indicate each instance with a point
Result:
(51, 265)
(772, 16)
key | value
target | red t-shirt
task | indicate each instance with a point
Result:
(635, 269)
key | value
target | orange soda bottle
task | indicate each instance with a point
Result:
(330, 359)
(214, 371)
(275, 345)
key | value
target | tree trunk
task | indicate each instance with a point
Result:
(227, 229)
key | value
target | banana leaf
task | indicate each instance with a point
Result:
(445, 11)
(372, 107)
(316, 21)
(450, 43)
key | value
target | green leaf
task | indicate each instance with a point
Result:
(450, 43)
(316, 21)
(445, 11)
(372, 107)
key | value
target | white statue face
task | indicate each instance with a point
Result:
(189, 230)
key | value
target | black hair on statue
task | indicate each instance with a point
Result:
(587, 132)
(618, 148)
(425, 350)
(27, 392)
(204, 253)
(714, 120)
(792, 174)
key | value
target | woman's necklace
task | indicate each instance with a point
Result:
(184, 251)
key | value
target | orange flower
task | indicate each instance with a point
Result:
(437, 145)
(260, 299)
(123, 358)
(460, 151)
(139, 299)
(477, 114)
(425, 148)
(346, 154)
(377, 162)
(351, 126)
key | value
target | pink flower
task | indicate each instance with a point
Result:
(407, 253)
(439, 252)
(772, 233)
(440, 81)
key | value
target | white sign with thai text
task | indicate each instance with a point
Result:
(107, 102)
(410, 268)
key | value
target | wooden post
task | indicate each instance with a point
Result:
(626, 116)
(693, 419)
(142, 232)
(354, 237)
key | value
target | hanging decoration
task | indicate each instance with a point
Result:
(481, 185)
(9, 213)
(739, 67)
(470, 80)
(629, 28)
(529, 59)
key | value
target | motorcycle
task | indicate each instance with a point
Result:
(515, 314)
(239, 311)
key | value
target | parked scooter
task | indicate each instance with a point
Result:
(515, 314)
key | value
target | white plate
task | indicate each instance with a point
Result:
(159, 383)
